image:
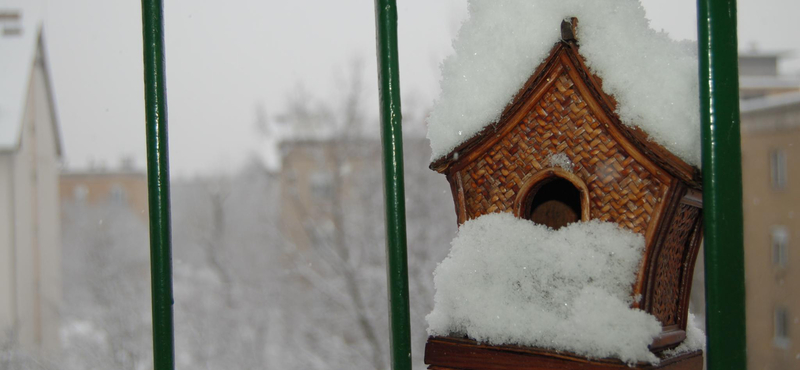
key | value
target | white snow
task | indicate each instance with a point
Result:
(560, 160)
(509, 281)
(653, 78)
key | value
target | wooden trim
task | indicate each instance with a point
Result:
(686, 280)
(467, 354)
(451, 180)
(669, 337)
(461, 200)
(670, 205)
(536, 181)
(693, 198)
(658, 213)
(680, 194)
(655, 229)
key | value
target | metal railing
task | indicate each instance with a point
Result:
(722, 184)
(393, 186)
(155, 93)
(724, 254)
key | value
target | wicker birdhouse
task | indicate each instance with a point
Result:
(560, 154)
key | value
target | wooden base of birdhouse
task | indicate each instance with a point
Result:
(445, 353)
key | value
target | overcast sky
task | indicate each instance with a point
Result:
(224, 60)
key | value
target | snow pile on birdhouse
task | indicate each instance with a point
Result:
(510, 281)
(653, 78)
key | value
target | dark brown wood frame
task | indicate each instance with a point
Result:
(445, 353)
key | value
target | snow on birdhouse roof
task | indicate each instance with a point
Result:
(19, 30)
(653, 78)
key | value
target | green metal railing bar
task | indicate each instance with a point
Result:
(722, 184)
(158, 184)
(392, 138)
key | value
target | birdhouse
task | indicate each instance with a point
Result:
(560, 154)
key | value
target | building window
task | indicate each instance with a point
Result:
(80, 192)
(320, 231)
(780, 246)
(777, 165)
(782, 327)
(118, 195)
(321, 185)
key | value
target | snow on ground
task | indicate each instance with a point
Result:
(653, 78)
(510, 281)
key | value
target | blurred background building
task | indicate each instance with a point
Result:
(317, 178)
(30, 152)
(770, 112)
(124, 185)
(759, 77)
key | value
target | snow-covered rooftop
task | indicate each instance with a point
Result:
(769, 82)
(17, 53)
(769, 102)
(653, 78)
(756, 52)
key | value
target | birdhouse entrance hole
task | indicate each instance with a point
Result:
(557, 203)
(554, 199)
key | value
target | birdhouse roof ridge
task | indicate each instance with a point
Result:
(653, 78)
(601, 101)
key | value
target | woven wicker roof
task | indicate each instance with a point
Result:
(638, 139)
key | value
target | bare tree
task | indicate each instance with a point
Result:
(13, 357)
(332, 248)
(345, 226)
(227, 274)
(106, 313)
(249, 293)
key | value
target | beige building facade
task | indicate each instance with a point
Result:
(317, 181)
(30, 152)
(771, 189)
(124, 186)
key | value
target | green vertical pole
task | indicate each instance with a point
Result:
(392, 138)
(722, 184)
(158, 184)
